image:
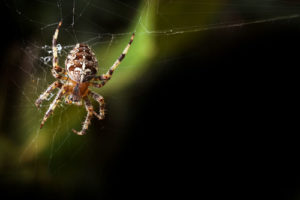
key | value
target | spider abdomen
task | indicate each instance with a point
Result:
(80, 63)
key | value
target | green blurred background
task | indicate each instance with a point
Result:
(190, 110)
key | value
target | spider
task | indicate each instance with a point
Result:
(80, 71)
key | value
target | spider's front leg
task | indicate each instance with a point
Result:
(89, 109)
(106, 77)
(52, 106)
(57, 71)
(46, 93)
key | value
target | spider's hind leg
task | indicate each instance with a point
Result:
(100, 100)
(86, 123)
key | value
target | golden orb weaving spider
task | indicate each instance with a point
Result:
(80, 71)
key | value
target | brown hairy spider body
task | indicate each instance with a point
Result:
(75, 91)
(81, 67)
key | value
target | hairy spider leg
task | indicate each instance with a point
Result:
(53, 105)
(46, 93)
(89, 109)
(106, 77)
(56, 69)
(100, 100)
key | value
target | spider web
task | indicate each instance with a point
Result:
(106, 27)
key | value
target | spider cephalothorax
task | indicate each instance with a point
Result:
(80, 71)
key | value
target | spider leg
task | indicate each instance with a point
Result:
(46, 93)
(100, 100)
(89, 109)
(52, 106)
(56, 69)
(106, 77)
(98, 85)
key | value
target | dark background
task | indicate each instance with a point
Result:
(224, 125)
